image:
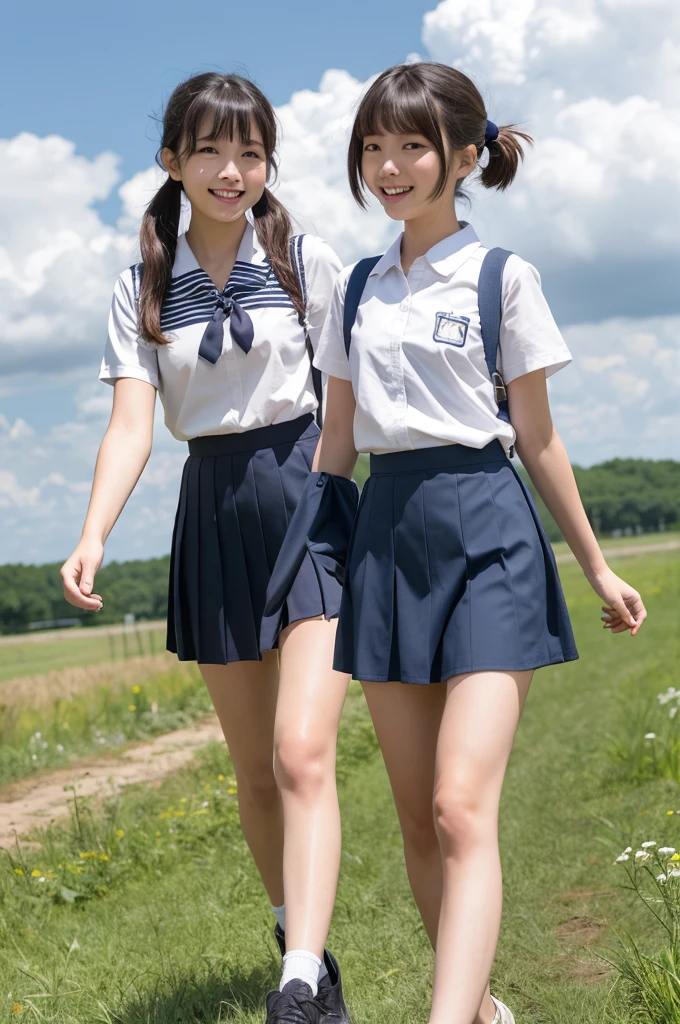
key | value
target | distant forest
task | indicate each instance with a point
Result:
(623, 496)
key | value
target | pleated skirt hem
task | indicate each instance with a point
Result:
(237, 497)
(449, 571)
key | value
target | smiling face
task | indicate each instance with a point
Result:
(222, 177)
(403, 172)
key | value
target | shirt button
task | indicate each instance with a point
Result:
(404, 307)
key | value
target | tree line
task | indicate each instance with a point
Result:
(622, 496)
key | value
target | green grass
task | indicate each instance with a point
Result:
(174, 927)
(101, 720)
(76, 647)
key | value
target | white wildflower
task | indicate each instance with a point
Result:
(666, 851)
(37, 736)
(34, 757)
(641, 856)
(650, 735)
(673, 712)
(205, 803)
(674, 873)
(646, 846)
(661, 878)
(670, 694)
(60, 748)
(624, 856)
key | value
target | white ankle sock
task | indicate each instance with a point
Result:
(280, 915)
(303, 966)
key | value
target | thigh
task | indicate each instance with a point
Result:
(244, 695)
(407, 718)
(311, 692)
(477, 731)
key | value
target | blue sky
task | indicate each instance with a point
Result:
(596, 206)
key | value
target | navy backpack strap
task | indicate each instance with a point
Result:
(355, 289)
(299, 267)
(137, 271)
(490, 295)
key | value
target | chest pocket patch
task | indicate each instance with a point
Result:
(450, 329)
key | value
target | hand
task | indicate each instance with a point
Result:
(78, 573)
(623, 608)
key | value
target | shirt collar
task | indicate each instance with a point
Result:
(445, 257)
(249, 251)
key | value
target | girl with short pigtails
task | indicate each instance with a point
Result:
(438, 353)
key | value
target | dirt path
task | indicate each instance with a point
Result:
(628, 550)
(43, 799)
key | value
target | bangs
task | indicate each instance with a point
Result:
(231, 115)
(397, 106)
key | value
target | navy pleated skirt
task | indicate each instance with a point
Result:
(449, 571)
(237, 496)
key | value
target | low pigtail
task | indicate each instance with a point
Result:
(158, 244)
(274, 229)
(505, 154)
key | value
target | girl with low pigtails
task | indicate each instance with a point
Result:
(223, 321)
(437, 354)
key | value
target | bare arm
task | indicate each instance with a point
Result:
(123, 454)
(545, 459)
(335, 452)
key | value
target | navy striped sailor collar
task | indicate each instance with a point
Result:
(444, 258)
(249, 251)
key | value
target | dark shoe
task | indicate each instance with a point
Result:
(295, 1005)
(330, 993)
(280, 937)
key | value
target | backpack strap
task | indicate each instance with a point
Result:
(299, 268)
(137, 270)
(490, 295)
(355, 289)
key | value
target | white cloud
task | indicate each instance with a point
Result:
(596, 206)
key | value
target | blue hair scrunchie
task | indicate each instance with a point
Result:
(491, 133)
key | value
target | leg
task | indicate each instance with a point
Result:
(311, 697)
(406, 721)
(478, 727)
(244, 695)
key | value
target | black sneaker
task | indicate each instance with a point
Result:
(295, 1005)
(330, 993)
(330, 989)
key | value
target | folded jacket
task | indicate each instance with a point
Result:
(319, 531)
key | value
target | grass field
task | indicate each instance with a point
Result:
(85, 646)
(163, 920)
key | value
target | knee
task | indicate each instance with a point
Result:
(460, 818)
(417, 828)
(257, 784)
(301, 765)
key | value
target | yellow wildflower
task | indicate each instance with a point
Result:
(132, 707)
(165, 814)
(136, 689)
(18, 871)
(103, 856)
(670, 812)
(220, 778)
(183, 800)
(35, 873)
(231, 790)
(17, 1008)
(120, 832)
(676, 856)
(157, 833)
(180, 814)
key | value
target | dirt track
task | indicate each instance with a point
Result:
(37, 801)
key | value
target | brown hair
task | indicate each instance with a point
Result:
(233, 103)
(435, 101)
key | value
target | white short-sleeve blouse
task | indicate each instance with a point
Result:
(416, 360)
(272, 383)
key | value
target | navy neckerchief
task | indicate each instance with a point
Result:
(240, 327)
